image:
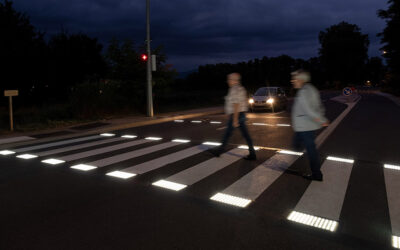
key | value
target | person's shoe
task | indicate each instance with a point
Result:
(251, 157)
(312, 177)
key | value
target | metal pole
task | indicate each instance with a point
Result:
(11, 114)
(149, 80)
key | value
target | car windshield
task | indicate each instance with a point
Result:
(265, 91)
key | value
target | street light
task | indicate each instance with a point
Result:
(149, 80)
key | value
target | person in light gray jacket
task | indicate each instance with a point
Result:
(307, 117)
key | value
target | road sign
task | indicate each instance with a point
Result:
(347, 91)
(10, 92)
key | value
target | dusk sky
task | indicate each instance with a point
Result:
(196, 32)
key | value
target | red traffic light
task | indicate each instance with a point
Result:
(144, 57)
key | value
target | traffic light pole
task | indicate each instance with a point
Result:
(149, 77)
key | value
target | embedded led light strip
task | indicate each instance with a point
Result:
(212, 143)
(83, 167)
(27, 156)
(283, 125)
(120, 174)
(388, 166)
(7, 152)
(331, 158)
(259, 124)
(153, 138)
(129, 136)
(196, 121)
(247, 147)
(181, 140)
(178, 120)
(290, 152)
(231, 200)
(107, 134)
(53, 161)
(313, 221)
(396, 242)
(214, 122)
(169, 185)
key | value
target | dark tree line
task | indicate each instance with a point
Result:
(73, 68)
(343, 60)
(390, 38)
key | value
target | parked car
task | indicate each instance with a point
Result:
(271, 98)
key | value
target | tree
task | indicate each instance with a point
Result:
(73, 59)
(344, 53)
(390, 38)
(22, 51)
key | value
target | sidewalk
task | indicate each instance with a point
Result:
(105, 125)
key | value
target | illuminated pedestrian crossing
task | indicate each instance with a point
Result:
(320, 204)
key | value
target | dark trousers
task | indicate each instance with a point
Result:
(306, 140)
(243, 129)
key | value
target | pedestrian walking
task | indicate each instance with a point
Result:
(235, 106)
(308, 116)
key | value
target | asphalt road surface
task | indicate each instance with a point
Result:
(165, 201)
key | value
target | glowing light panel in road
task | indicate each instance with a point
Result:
(83, 167)
(129, 136)
(331, 158)
(27, 156)
(394, 167)
(231, 200)
(107, 134)
(283, 125)
(290, 152)
(121, 174)
(169, 185)
(7, 152)
(178, 120)
(181, 140)
(53, 161)
(247, 147)
(153, 138)
(215, 122)
(396, 242)
(210, 143)
(196, 121)
(313, 221)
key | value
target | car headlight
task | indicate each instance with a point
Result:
(251, 100)
(270, 100)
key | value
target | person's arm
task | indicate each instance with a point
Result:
(309, 110)
(236, 115)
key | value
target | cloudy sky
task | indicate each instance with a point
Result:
(196, 32)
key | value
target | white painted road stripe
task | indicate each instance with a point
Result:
(132, 154)
(16, 139)
(80, 146)
(59, 143)
(392, 181)
(165, 160)
(200, 171)
(252, 185)
(102, 150)
(325, 199)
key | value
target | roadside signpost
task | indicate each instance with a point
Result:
(10, 94)
(347, 91)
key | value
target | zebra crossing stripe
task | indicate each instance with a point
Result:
(253, 184)
(16, 139)
(200, 171)
(80, 146)
(59, 143)
(99, 151)
(165, 160)
(132, 154)
(325, 199)
(392, 182)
